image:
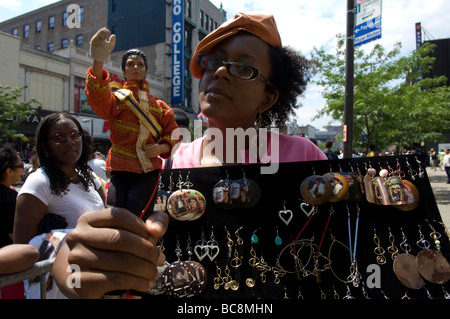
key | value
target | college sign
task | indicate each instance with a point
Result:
(177, 87)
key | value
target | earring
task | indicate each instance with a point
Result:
(183, 278)
(186, 203)
(253, 261)
(316, 190)
(221, 194)
(285, 215)
(213, 247)
(379, 251)
(245, 192)
(254, 238)
(162, 195)
(278, 240)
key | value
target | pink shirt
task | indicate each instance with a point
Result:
(290, 149)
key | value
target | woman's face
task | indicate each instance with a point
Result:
(67, 152)
(135, 69)
(17, 170)
(231, 102)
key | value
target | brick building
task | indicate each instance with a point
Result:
(61, 32)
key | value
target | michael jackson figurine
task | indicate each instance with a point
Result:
(141, 126)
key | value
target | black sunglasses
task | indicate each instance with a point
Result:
(239, 70)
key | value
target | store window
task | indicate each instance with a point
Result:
(81, 104)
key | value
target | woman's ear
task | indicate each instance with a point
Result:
(271, 97)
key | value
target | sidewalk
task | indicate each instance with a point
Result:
(441, 190)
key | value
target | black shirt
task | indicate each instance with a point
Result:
(8, 199)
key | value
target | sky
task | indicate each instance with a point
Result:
(305, 24)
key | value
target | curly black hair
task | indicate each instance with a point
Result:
(59, 181)
(291, 72)
(8, 158)
(131, 52)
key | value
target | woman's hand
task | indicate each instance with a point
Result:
(114, 250)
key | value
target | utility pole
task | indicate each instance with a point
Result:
(349, 70)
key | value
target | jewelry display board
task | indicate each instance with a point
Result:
(372, 230)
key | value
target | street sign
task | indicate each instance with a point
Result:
(367, 21)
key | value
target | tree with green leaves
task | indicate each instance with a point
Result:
(394, 102)
(12, 111)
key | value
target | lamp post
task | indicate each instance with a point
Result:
(349, 70)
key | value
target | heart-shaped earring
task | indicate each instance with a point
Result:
(305, 210)
(285, 215)
(200, 248)
(213, 247)
(201, 251)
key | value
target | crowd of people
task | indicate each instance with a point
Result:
(61, 208)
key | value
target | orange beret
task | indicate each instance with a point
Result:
(261, 25)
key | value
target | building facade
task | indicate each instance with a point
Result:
(47, 50)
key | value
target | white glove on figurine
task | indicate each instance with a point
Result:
(101, 45)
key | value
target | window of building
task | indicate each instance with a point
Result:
(206, 22)
(26, 30)
(37, 47)
(64, 43)
(51, 22)
(79, 39)
(211, 24)
(81, 14)
(65, 15)
(50, 47)
(113, 6)
(38, 26)
(188, 9)
(15, 32)
(202, 19)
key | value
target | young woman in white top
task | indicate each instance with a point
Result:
(63, 185)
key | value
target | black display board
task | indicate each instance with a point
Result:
(282, 191)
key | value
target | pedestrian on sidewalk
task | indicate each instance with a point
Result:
(446, 162)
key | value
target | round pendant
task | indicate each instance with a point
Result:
(433, 266)
(201, 278)
(405, 268)
(186, 204)
(412, 195)
(245, 193)
(184, 279)
(339, 184)
(159, 289)
(161, 201)
(316, 190)
(221, 194)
